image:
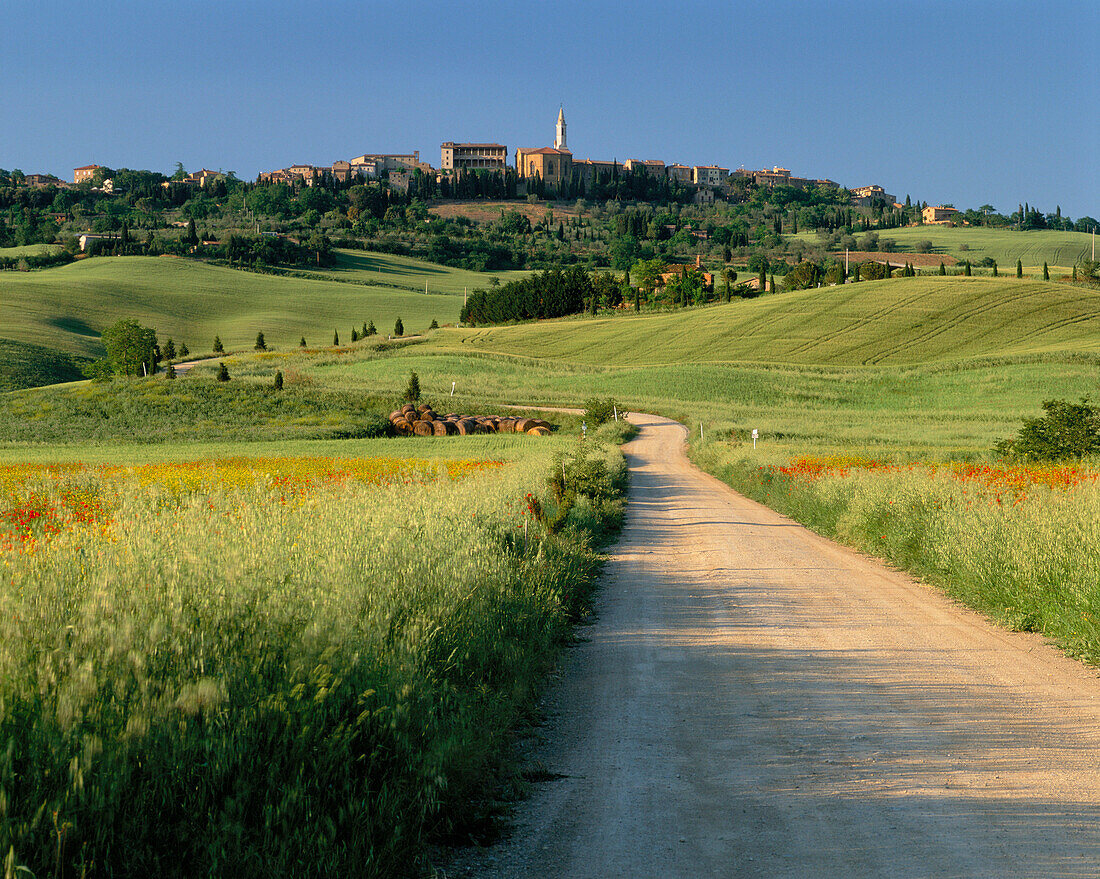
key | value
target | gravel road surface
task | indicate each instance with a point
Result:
(754, 700)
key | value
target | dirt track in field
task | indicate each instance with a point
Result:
(754, 700)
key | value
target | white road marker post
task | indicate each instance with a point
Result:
(453, 388)
(755, 434)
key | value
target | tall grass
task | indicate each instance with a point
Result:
(268, 676)
(1020, 544)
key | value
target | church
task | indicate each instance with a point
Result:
(553, 164)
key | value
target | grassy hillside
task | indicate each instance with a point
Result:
(67, 308)
(25, 249)
(902, 321)
(1062, 249)
(413, 274)
(30, 366)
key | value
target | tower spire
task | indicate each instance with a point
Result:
(559, 131)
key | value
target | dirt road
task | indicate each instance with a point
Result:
(756, 701)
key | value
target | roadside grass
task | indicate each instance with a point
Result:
(1020, 544)
(293, 667)
(1033, 248)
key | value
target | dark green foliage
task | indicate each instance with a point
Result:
(434, 325)
(223, 373)
(335, 338)
(995, 269)
(184, 351)
(1046, 272)
(966, 268)
(218, 348)
(370, 330)
(171, 371)
(354, 334)
(131, 348)
(278, 380)
(1068, 430)
(1019, 269)
(943, 268)
(552, 293)
(302, 342)
(398, 328)
(412, 389)
(170, 350)
(261, 345)
(598, 411)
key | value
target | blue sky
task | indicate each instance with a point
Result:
(967, 103)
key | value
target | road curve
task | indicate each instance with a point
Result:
(754, 700)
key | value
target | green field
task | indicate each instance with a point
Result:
(906, 321)
(66, 308)
(29, 249)
(1033, 248)
(401, 271)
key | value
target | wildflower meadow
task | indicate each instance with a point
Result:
(257, 667)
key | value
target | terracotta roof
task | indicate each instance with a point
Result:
(86, 168)
(544, 151)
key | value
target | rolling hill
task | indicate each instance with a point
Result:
(897, 322)
(67, 308)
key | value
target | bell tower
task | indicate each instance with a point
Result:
(559, 131)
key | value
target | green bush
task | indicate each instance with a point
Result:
(598, 411)
(1068, 430)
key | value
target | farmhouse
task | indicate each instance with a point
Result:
(708, 175)
(84, 174)
(939, 215)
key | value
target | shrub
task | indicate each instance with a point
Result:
(302, 343)
(261, 345)
(398, 328)
(184, 351)
(335, 339)
(371, 330)
(434, 324)
(218, 347)
(598, 411)
(278, 380)
(223, 373)
(1068, 430)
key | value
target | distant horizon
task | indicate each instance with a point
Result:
(987, 104)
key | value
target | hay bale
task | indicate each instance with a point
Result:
(539, 431)
(423, 428)
(439, 428)
(402, 425)
(397, 413)
(540, 423)
(524, 424)
(424, 407)
(464, 426)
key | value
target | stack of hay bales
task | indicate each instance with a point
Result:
(410, 420)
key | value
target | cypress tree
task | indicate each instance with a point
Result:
(412, 389)
(171, 371)
(302, 343)
(278, 380)
(966, 268)
(943, 268)
(363, 334)
(398, 328)
(335, 338)
(223, 373)
(1046, 272)
(261, 345)
(183, 350)
(1019, 269)
(354, 334)
(371, 330)
(218, 349)
(994, 269)
(170, 349)
(434, 324)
